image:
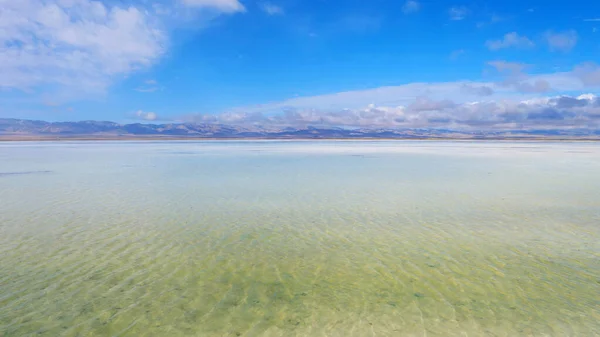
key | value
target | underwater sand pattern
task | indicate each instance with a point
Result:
(300, 239)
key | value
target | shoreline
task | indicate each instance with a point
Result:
(13, 138)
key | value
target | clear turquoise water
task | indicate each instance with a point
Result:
(299, 239)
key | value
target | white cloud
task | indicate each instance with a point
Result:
(510, 40)
(515, 78)
(78, 43)
(561, 41)
(271, 9)
(73, 48)
(411, 6)
(388, 96)
(147, 116)
(478, 90)
(511, 68)
(226, 6)
(548, 112)
(511, 83)
(401, 95)
(588, 73)
(458, 13)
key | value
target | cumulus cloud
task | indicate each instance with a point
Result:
(271, 9)
(371, 116)
(147, 116)
(510, 40)
(559, 112)
(511, 82)
(77, 47)
(411, 6)
(561, 41)
(458, 13)
(516, 100)
(78, 43)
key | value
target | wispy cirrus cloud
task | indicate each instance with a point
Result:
(456, 54)
(458, 13)
(411, 6)
(494, 18)
(226, 6)
(149, 86)
(271, 9)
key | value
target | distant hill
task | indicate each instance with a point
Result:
(31, 129)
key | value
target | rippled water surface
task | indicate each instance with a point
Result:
(299, 239)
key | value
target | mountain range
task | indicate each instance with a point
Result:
(16, 129)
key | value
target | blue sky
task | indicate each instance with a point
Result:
(358, 63)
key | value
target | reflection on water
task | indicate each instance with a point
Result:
(300, 239)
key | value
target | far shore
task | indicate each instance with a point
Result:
(38, 138)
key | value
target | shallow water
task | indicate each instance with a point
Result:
(299, 239)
